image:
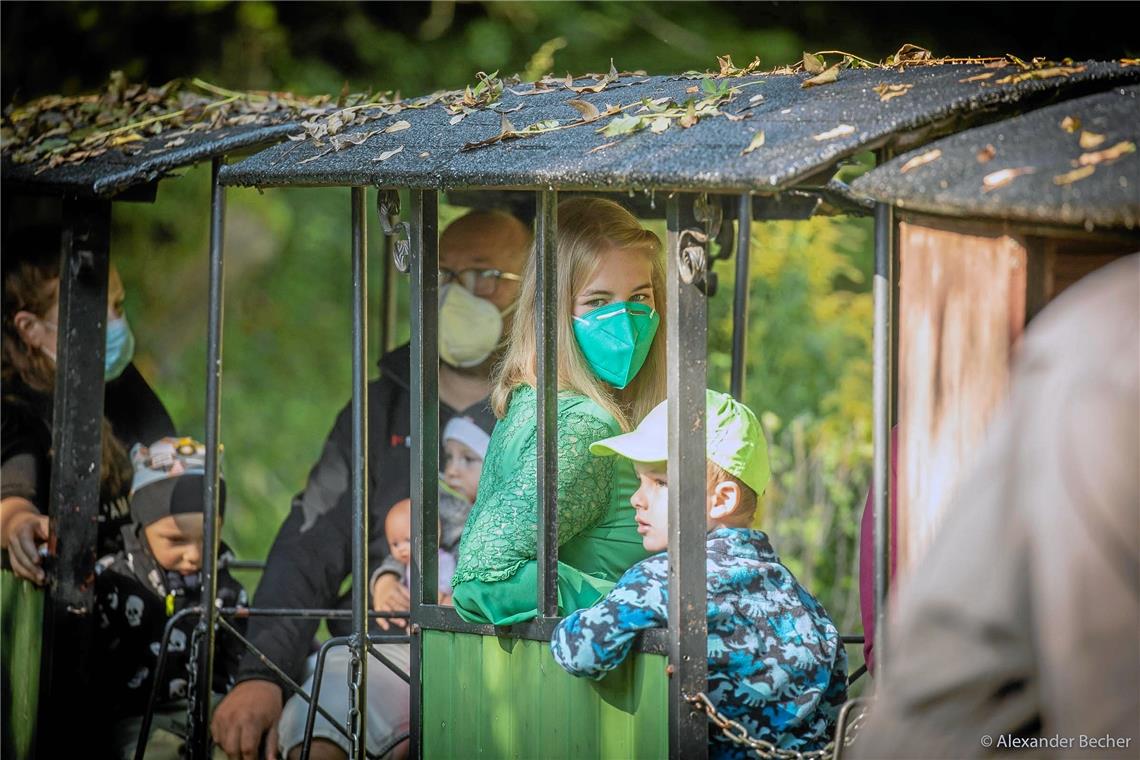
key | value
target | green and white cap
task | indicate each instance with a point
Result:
(734, 440)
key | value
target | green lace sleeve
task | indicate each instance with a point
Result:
(502, 530)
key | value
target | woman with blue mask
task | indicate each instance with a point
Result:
(611, 372)
(132, 412)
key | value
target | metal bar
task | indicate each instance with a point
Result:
(389, 297)
(442, 618)
(425, 432)
(201, 740)
(546, 376)
(844, 722)
(358, 696)
(881, 409)
(686, 332)
(315, 697)
(306, 614)
(740, 296)
(152, 698)
(77, 421)
(281, 675)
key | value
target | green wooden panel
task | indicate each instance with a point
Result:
(489, 697)
(21, 617)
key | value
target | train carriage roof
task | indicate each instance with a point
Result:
(104, 144)
(1073, 163)
(532, 137)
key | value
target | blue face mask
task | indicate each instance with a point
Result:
(120, 348)
(616, 338)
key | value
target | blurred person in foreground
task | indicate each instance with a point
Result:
(1018, 632)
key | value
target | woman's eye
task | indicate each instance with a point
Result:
(640, 297)
(659, 483)
(594, 303)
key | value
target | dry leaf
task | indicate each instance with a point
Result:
(174, 143)
(588, 110)
(831, 134)
(118, 140)
(1090, 140)
(757, 141)
(827, 77)
(1069, 178)
(518, 107)
(425, 154)
(1122, 148)
(978, 77)
(388, 154)
(399, 126)
(813, 64)
(603, 146)
(659, 125)
(1070, 124)
(1003, 177)
(456, 119)
(755, 99)
(1130, 61)
(690, 118)
(1049, 73)
(986, 154)
(888, 91)
(693, 90)
(921, 160)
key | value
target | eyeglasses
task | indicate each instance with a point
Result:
(481, 282)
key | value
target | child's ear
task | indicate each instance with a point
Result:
(725, 499)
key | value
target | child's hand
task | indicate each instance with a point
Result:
(445, 599)
(389, 595)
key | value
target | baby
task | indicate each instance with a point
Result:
(464, 449)
(398, 530)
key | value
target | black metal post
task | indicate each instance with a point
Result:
(358, 646)
(546, 371)
(387, 295)
(740, 296)
(686, 332)
(201, 740)
(315, 696)
(425, 433)
(882, 375)
(77, 420)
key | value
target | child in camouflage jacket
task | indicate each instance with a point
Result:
(776, 663)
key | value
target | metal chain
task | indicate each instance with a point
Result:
(354, 706)
(192, 680)
(738, 734)
(388, 209)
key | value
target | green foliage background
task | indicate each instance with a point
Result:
(287, 319)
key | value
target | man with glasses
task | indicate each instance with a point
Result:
(480, 256)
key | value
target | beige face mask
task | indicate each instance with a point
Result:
(469, 327)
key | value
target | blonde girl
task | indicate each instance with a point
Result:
(611, 372)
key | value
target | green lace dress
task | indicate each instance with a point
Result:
(496, 577)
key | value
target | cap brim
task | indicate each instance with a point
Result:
(639, 445)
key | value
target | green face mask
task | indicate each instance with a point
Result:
(615, 339)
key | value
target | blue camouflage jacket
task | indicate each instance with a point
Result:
(776, 663)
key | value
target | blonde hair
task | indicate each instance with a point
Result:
(587, 229)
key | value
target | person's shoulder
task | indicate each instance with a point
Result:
(577, 407)
(654, 569)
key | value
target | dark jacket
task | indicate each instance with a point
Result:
(311, 557)
(134, 599)
(136, 415)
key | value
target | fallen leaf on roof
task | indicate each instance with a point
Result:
(598, 86)
(588, 110)
(1075, 175)
(659, 125)
(831, 134)
(1048, 73)
(456, 119)
(622, 125)
(1119, 150)
(322, 154)
(813, 64)
(888, 91)
(690, 118)
(1070, 124)
(693, 90)
(117, 140)
(737, 116)
(174, 143)
(1090, 140)
(910, 53)
(978, 77)
(756, 142)
(425, 154)
(1000, 63)
(827, 77)
(399, 126)
(388, 154)
(603, 146)
(921, 160)
(1004, 177)
(1130, 61)
(509, 110)
(986, 154)
(756, 99)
